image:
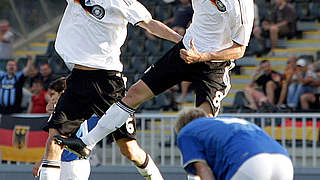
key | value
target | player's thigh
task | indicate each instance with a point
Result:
(166, 72)
(212, 83)
(73, 107)
(282, 167)
(256, 167)
(108, 89)
(75, 170)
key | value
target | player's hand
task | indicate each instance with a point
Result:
(190, 56)
(36, 169)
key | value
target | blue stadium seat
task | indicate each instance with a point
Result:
(152, 47)
(3, 64)
(138, 64)
(22, 62)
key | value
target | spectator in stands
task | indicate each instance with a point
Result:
(33, 75)
(47, 75)
(282, 22)
(6, 39)
(11, 87)
(311, 101)
(302, 83)
(179, 22)
(288, 76)
(39, 99)
(271, 87)
(257, 42)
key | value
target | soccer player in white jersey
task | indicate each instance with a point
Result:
(219, 33)
(89, 37)
(229, 148)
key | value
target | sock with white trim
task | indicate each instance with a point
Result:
(149, 170)
(50, 170)
(113, 119)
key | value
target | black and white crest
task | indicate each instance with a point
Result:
(98, 11)
(221, 7)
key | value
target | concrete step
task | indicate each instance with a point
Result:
(19, 54)
(249, 70)
(50, 37)
(307, 26)
(38, 46)
(314, 35)
(287, 52)
(300, 43)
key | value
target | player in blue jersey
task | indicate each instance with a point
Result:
(72, 167)
(224, 148)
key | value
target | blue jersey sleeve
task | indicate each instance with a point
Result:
(2, 73)
(192, 151)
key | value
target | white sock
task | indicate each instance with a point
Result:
(151, 171)
(113, 119)
(50, 170)
(49, 173)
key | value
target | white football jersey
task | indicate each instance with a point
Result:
(91, 32)
(215, 24)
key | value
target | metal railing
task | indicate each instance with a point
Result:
(298, 133)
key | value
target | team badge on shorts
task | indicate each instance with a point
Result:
(98, 12)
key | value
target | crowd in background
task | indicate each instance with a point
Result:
(295, 89)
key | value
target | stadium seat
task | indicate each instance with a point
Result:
(138, 64)
(3, 64)
(40, 59)
(22, 62)
(302, 10)
(308, 58)
(152, 46)
(57, 64)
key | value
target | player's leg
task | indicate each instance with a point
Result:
(143, 162)
(158, 78)
(125, 137)
(75, 170)
(282, 167)
(71, 110)
(256, 167)
(51, 160)
(212, 85)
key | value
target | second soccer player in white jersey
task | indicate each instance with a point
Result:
(89, 37)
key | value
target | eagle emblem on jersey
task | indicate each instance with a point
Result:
(221, 7)
(98, 12)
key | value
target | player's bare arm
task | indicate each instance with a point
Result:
(204, 171)
(161, 30)
(192, 55)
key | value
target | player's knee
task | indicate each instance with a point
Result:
(134, 96)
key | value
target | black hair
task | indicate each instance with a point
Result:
(58, 85)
